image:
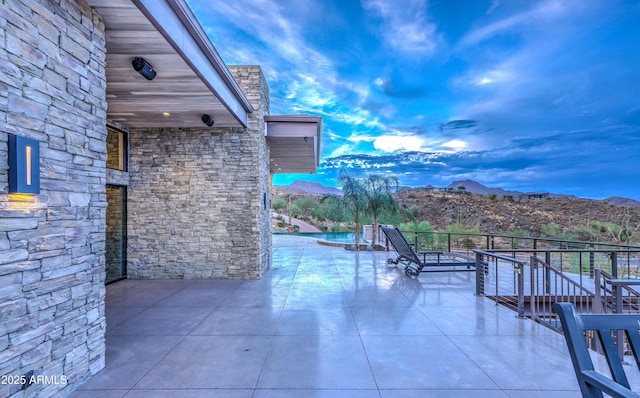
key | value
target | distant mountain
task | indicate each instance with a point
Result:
(477, 188)
(313, 188)
(618, 201)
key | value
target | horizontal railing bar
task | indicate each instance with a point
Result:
(505, 258)
(560, 251)
(527, 238)
(623, 281)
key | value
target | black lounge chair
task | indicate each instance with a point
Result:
(593, 383)
(423, 261)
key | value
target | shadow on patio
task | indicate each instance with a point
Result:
(324, 322)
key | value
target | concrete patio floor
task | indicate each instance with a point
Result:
(324, 322)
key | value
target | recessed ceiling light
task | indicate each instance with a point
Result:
(166, 114)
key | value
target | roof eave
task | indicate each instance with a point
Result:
(288, 132)
(168, 16)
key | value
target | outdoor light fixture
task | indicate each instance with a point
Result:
(144, 68)
(24, 165)
(206, 119)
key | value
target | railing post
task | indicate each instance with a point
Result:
(592, 265)
(449, 242)
(597, 307)
(480, 274)
(519, 270)
(617, 291)
(614, 264)
(415, 242)
(534, 289)
(547, 273)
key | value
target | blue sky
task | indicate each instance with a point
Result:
(524, 95)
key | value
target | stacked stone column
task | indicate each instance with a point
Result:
(52, 89)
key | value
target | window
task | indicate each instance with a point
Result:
(117, 145)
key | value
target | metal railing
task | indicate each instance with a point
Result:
(468, 242)
(493, 280)
(616, 295)
(530, 281)
(549, 285)
(529, 274)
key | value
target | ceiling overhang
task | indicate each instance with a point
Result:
(294, 143)
(192, 80)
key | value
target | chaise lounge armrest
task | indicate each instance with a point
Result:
(607, 385)
(604, 326)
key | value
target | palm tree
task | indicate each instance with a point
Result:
(378, 197)
(353, 198)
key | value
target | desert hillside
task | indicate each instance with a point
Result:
(557, 216)
(493, 214)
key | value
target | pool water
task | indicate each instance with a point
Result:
(339, 237)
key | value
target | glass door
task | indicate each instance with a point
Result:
(116, 239)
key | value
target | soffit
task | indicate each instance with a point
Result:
(191, 78)
(294, 143)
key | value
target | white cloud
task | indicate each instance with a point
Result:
(504, 74)
(341, 150)
(308, 80)
(456, 145)
(407, 28)
(495, 4)
(394, 143)
(398, 141)
(543, 13)
(305, 90)
(276, 36)
(357, 118)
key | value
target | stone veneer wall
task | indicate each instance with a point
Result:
(196, 197)
(255, 87)
(52, 89)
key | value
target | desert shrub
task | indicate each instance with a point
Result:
(516, 233)
(305, 205)
(342, 228)
(279, 205)
(422, 230)
(330, 209)
(414, 211)
(550, 230)
(295, 211)
(468, 244)
(585, 233)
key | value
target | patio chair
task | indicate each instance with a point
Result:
(593, 383)
(422, 261)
